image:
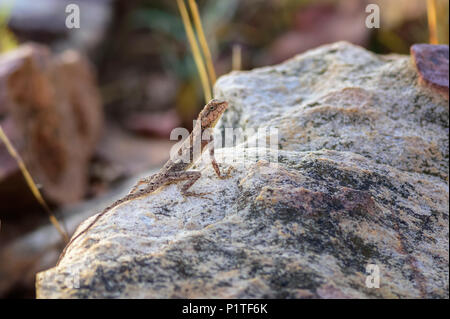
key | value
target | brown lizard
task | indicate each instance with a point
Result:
(175, 170)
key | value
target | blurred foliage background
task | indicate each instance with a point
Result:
(143, 58)
(148, 80)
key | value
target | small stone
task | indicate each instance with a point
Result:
(50, 108)
(431, 62)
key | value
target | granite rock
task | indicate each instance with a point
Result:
(360, 177)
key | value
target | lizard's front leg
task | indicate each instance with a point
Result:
(214, 162)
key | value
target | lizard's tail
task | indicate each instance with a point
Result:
(117, 202)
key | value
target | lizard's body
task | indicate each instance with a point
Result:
(175, 170)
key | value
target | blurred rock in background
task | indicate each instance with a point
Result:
(51, 110)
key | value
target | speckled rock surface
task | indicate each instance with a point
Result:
(361, 178)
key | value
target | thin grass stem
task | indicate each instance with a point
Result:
(195, 50)
(34, 189)
(432, 23)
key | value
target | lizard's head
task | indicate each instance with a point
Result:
(212, 112)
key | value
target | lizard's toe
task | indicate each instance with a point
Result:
(228, 173)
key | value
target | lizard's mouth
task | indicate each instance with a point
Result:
(222, 107)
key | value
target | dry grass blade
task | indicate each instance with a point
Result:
(32, 184)
(432, 23)
(195, 50)
(441, 14)
(202, 41)
(7, 39)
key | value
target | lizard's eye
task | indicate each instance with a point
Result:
(211, 108)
